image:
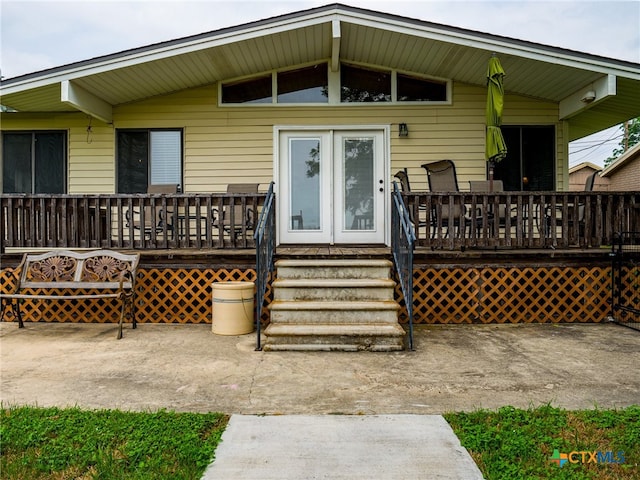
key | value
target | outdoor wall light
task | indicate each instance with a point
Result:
(589, 97)
(403, 130)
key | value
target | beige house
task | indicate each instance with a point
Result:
(624, 173)
(579, 176)
(327, 103)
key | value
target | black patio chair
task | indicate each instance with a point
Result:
(442, 177)
(405, 186)
(233, 217)
(158, 223)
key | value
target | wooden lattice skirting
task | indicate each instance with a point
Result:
(441, 296)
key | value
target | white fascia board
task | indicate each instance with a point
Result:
(494, 45)
(166, 52)
(414, 29)
(86, 102)
(575, 103)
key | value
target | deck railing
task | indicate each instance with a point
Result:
(141, 221)
(510, 220)
(515, 220)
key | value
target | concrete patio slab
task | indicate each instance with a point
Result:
(188, 368)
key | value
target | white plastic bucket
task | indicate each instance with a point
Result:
(232, 308)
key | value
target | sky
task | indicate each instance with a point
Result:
(36, 35)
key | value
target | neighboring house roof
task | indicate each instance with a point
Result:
(631, 155)
(337, 33)
(580, 166)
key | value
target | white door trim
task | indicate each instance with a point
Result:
(278, 130)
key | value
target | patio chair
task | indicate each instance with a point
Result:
(405, 186)
(441, 176)
(234, 217)
(403, 177)
(588, 187)
(161, 219)
(484, 186)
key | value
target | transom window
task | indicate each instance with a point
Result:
(305, 85)
(359, 84)
(354, 84)
(416, 89)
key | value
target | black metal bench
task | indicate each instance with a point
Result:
(52, 275)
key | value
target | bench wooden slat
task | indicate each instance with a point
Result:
(76, 285)
(59, 297)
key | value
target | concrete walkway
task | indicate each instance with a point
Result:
(369, 447)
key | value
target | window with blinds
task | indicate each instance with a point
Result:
(148, 157)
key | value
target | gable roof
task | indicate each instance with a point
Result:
(337, 33)
(631, 155)
(585, 165)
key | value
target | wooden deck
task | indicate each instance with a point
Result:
(144, 222)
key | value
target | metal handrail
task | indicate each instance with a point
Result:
(403, 240)
(265, 239)
(625, 268)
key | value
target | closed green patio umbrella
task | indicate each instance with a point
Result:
(496, 149)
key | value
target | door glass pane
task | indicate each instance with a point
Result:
(16, 163)
(304, 168)
(530, 161)
(49, 162)
(538, 159)
(358, 170)
(133, 161)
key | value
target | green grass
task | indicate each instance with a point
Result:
(52, 443)
(518, 444)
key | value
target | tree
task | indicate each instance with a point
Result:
(630, 136)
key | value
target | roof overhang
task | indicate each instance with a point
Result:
(336, 33)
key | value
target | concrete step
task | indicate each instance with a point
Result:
(334, 313)
(333, 289)
(334, 304)
(319, 337)
(337, 269)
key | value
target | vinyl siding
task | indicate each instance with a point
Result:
(235, 144)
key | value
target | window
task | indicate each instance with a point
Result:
(314, 84)
(305, 85)
(364, 85)
(34, 162)
(530, 162)
(416, 89)
(148, 157)
(255, 90)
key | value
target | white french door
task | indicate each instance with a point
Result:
(333, 186)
